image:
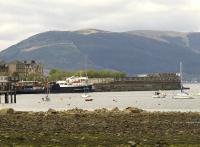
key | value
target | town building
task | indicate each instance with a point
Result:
(31, 67)
(3, 68)
(16, 67)
(20, 68)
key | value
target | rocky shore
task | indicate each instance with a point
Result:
(76, 127)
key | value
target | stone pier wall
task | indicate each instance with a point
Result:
(149, 85)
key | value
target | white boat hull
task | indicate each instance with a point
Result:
(196, 94)
(159, 95)
(85, 95)
(182, 96)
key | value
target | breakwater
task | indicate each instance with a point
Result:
(146, 83)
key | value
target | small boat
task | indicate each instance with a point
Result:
(87, 88)
(88, 99)
(159, 94)
(85, 95)
(196, 94)
(47, 98)
(182, 94)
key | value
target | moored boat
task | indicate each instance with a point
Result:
(29, 87)
(159, 94)
(182, 94)
(72, 84)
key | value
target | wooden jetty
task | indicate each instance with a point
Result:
(7, 89)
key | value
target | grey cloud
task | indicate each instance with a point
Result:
(27, 17)
(171, 2)
(165, 2)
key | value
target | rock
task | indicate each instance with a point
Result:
(132, 110)
(116, 109)
(34, 138)
(161, 143)
(41, 134)
(52, 111)
(55, 140)
(7, 111)
(103, 110)
(132, 143)
(6, 137)
(76, 110)
(21, 138)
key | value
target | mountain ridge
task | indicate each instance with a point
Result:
(134, 52)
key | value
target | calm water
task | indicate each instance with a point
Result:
(109, 100)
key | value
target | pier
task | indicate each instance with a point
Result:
(7, 89)
(150, 82)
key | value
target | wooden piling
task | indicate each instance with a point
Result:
(7, 88)
(6, 98)
(11, 98)
(15, 97)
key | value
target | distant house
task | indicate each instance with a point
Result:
(16, 67)
(3, 67)
(31, 67)
(24, 68)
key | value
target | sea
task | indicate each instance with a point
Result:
(109, 100)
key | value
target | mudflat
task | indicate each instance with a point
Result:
(102, 127)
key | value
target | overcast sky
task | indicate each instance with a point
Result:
(20, 19)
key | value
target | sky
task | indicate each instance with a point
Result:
(20, 19)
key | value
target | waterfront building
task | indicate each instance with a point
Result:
(17, 67)
(3, 68)
(20, 68)
(31, 67)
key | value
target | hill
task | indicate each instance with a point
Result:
(133, 52)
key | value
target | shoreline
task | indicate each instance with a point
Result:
(110, 109)
(101, 127)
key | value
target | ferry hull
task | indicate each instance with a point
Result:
(74, 89)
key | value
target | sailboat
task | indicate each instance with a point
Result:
(47, 98)
(86, 95)
(182, 94)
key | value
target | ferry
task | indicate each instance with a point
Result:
(71, 84)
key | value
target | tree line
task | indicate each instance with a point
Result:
(57, 74)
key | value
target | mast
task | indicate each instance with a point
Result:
(181, 76)
(85, 65)
(86, 82)
(47, 88)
